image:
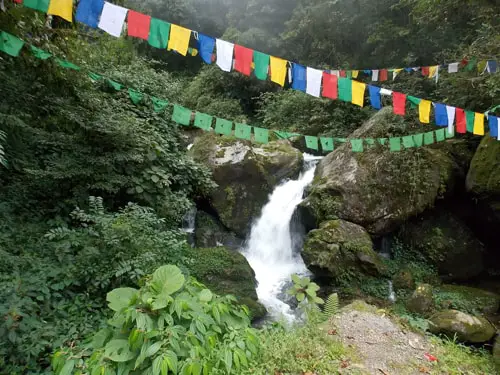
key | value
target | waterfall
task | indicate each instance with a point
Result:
(188, 225)
(270, 250)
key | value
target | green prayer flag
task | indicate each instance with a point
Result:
(223, 126)
(181, 115)
(370, 141)
(135, 96)
(40, 53)
(357, 145)
(408, 141)
(261, 61)
(285, 135)
(243, 131)
(159, 105)
(395, 144)
(349, 74)
(341, 140)
(450, 134)
(429, 138)
(41, 5)
(67, 65)
(94, 76)
(345, 89)
(312, 142)
(414, 101)
(114, 85)
(469, 117)
(261, 135)
(159, 32)
(440, 135)
(203, 121)
(418, 139)
(471, 65)
(382, 141)
(327, 144)
(10, 44)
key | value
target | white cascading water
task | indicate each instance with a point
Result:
(269, 249)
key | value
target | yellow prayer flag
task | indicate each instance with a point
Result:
(481, 66)
(278, 70)
(179, 39)
(355, 73)
(433, 71)
(424, 111)
(478, 124)
(358, 93)
(61, 8)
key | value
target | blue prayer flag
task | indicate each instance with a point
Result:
(206, 46)
(492, 66)
(493, 123)
(375, 99)
(89, 12)
(298, 77)
(441, 114)
(408, 70)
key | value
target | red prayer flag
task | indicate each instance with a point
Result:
(138, 24)
(461, 121)
(243, 58)
(342, 73)
(425, 70)
(18, 1)
(330, 89)
(382, 75)
(399, 103)
(464, 62)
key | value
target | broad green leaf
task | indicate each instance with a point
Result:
(118, 351)
(120, 298)
(155, 178)
(157, 365)
(168, 279)
(100, 338)
(319, 301)
(68, 367)
(228, 360)
(296, 279)
(205, 295)
(171, 359)
(151, 351)
(196, 368)
(300, 297)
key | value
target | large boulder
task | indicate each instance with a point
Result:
(466, 299)
(466, 328)
(339, 247)
(447, 243)
(246, 175)
(226, 272)
(421, 301)
(379, 189)
(209, 232)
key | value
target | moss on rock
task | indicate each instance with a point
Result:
(209, 232)
(484, 172)
(466, 299)
(465, 327)
(421, 301)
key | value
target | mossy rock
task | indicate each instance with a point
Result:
(421, 301)
(466, 299)
(379, 189)
(245, 174)
(361, 306)
(466, 328)
(339, 247)
(447, 243)
(403, 280)
(483, 178)
(209, 232)
(226, 272)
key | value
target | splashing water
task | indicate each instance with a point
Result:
(270, 249)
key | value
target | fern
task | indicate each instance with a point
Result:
(331, 306)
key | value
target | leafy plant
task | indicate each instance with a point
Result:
(332, 306)
(170, 325)
(304, 290)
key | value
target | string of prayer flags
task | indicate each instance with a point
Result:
(203, 121)
(326, 143)
(243, 131)
(206, 45)
(358, 93)
(182, 115)
(299, 81)
(424, 111)
(139, 25)
(179, 39)
(261, 62)
(135, 96)
(261, 135)
(89, 11)
(243, 59)
(312, 142)
(314, 81)
(159, 33)
(40, 53)
(224, 127)
(357, 145)
(224, 55)
(399, 103)
(478, 124)
(330, 86)
(345, 89)
(41, 5)
(159, 105)
(278, 70)
(61, 8)
(10, 44)
(112, 19)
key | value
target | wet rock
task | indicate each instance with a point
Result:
(403, 280)
(209, 232)
(421, 301)
(466, 328)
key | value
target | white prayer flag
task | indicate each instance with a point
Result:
(450, 111)
(375, 75)
(335, 73)
(112, 19)
(314, 77)
(453, 68)
(385, 92)
(224, 55)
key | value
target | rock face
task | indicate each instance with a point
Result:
(246, 175)
(467, 328)
(338, 247)
(421, 301)
(447, 243)
(209, 232)
(226, 272)
(379, 189)
(467, 299)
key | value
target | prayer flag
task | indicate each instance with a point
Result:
(395, 144)
(414, 101)
(453, 68)
(312, 142)
(285, 135)
(224, 55)
(243, 58)
(41, 5)
(345, 89)
(138, 25)
(89, 11)
(203, 121)
(478, 124)
(112, 19)
(114, 85)
(135, 96)
(408, 141)
(243, 131)
(370, 141)
(336, 73)
(471, 65)
(298, 77)
(261, 61)
(375, 75)
(181, 115)
(358, 93)
(67, 64)
(224, 127)
(399, 103)
(492, 66)
(40, 53)
(314, 81)
(382, 141)
(327, 143)
(342, 73)
(278, 70)
(469, 117)
(450, 114)
(383, 75)
(450, 134)
(375, 98)
(428, 138)
(10, 44)
(395, 73)
(349, 74)
(355, 73)
(341, 140)
(461, 121)
(440, 114)
(261, 135)
(159, 33)
(357, 145)
(330, 83)
(94, 76)
(481, 66)
(425, 71)
(179, 39)
(433, 71)
(440, 135)
(418, 139)
(206, 45)
(493, 123)
(159, 104)
(61, 8)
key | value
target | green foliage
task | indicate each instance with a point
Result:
(304, 290)
(3, 136)
(169, 325)
(332, 306)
